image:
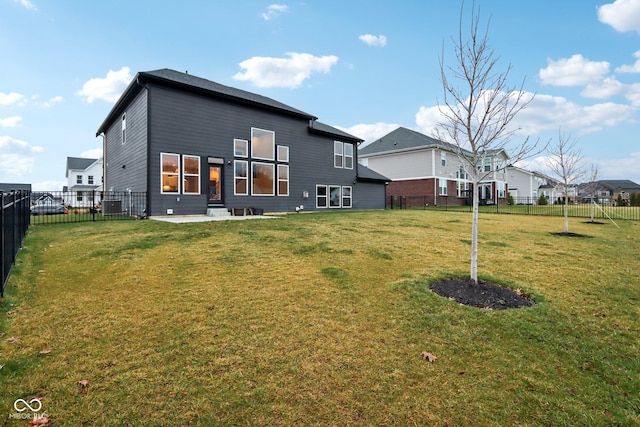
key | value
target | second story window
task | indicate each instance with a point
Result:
(443, 158)
(90, 179)
(342, 155)
(78, 179)
(124, 128)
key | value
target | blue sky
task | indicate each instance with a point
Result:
(363, 66)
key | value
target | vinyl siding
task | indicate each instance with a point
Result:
(185, 123)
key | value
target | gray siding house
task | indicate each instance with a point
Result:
(193, 146)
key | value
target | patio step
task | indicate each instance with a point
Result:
(218, 212)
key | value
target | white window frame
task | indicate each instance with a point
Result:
(283, 153)
(442, 187)
(462, 186)
(238, 143)
(163, 173)
(274, 179)
(185, 174)
(324, 197)
(443, 158)
(338, 154)
(79, 179)
(273, 148)
(124, 128)
(244, 178)
(286, 179)
(348, 198)
(90, 180)
(502, 189)
(339, 205)
(347, 162)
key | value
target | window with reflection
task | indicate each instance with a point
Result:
(263, 144)
(170, 164)
(262, 179)
(190, 174)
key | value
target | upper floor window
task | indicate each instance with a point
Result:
(461, 173)
(240, 148)
(342, 155)
(78, 179)
(90, 179)
(484, 165)
(263, 144)
(124, 128)
(443, 158)
(283, 153)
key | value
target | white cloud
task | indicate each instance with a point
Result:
(10, 122)
(546, 112)
(625, 168)
(109, 88)
(94, 153)
(635, 68)
(371, 40)
(622, 15)
(604, 88)
(51, 101)
(274, 10)
(574, 71)
(370, 132)
(16, 156)
(633, 94)
(12, 98)
(288, 72)
(27, 5)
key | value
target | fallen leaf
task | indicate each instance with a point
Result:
(13, 340)
(83, 385)
(428, 356)
(45, 351)
(608, 414)
(41, 421)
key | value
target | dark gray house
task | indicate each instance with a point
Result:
(193, 145)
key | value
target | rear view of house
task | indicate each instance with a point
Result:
(194, 146)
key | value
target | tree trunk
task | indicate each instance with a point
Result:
(566, 212)
(474, 234)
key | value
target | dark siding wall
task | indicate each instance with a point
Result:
(368, 195)
(127, 163)
(189, 124)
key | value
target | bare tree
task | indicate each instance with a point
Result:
(592, 188)
(478, 107)
(565, 162)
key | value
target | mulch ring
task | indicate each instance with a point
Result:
(481, 295)
(569, 234)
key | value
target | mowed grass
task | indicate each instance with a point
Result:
(321, 319)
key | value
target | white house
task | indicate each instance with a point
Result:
(84, 177)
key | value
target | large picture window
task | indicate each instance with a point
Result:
(263, 143)
(170, 164)
(283, 180)
(190, 174)
(241, 178)
(262, 179)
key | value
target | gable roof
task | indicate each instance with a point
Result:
(403, 139)
(323, 129)
(78, 163)
(190, 83)
(623, 184)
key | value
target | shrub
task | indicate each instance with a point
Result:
(542, 200)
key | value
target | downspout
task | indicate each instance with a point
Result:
(104, 161)
(435, 178)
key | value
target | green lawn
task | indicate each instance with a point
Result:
(321, 319)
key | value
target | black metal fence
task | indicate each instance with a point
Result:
(14, 223)
(519, 206)
(55, 207)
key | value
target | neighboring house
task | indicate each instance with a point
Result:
(84, 179)
(193, 146)
(45, 198)
(607, 190)
(527, 186)
(8, 187)
(427, 169)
